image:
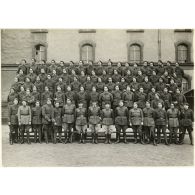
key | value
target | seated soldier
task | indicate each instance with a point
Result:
(100, 85)
(32, 76)
(93, 96)
(116, 78)
(123, 84)
(154, 103)
(105, 97)
(82, 97)
(39, 85)
(110, 84)
(117, 96)
(45, 95)
(128, 97)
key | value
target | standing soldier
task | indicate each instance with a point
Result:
(141, 98)
(154, 103)
(32, 76)
(82, 96)
(134, 85)
(68, 119)
(128, 98)
(136, 121)
(121, 121)
(187, 117)
(161, 123)
(110, 84)
(47, 117)
(104, 77)
(151, 95)
(146, 85)
(94, 121)
(75, 84)
(100, 85)
(36, 95)
(167, 98)
(82, 77)
(13, 121)
(49, 83)
(88, 84)
(117, 96)
(149, 125)
(154, 78)
(173, 115)
(70, 95)
(39, 85)
(29, 98)
(81, 122)
(93, 96)
(107, 117)
(45, 95)
(116, 77)
(12, 96)
(109, 68)
(36, 121)
(128, 77)
(21, 94)
(160, 85)
(93, 77)
(105, 97)
(123, 84)
(59, 96)
(179, 99)
(24, 119)
(57, 122)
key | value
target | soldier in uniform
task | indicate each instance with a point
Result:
(21, 94)
(82, 96)
(173, 115)
(107, 117)
(59, 96)
(68, 119)
(37, 121)
(28, 84)
(135, 69)
(49, 83)
(16, 85)
(29, 98)
(136, 122)
(47, 118)
(178, 70)
(43, 75)
(116, 77)
(100, 85)
(23, 67)
(93, 96)
(65, 76)
(121, 121)
(13, 121)
(61, 84)
(140, 77)
(110, 84)
(94, 120)
(160, 69)
(33, 66)
(128, 98)
(75, 85)
(39, 85)
(187, 119)
(161, 123)
(82, 77)
(167, 98)
(117, 96)
(151, 95)
(69, 94)
(93, 77)
(36, 95)
(109, 68)
(104, 77)
(146, 85)
(148, 123)
(88, 84)
(134, 85)
(128, 77)
(169, 68)
(24, 119)
(54, 77)
(160, 86)
(32, 75)
(123, 84)
(81, 122)
(154, 103)
(154, 78)
(120, 69)
(57, 122)
(105, 98)
(98, 68)
(141, 98)
(179, 99)
(172, 86)
(21, 76)
(45, 95)
(12, 95)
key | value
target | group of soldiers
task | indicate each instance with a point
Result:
(51, 99)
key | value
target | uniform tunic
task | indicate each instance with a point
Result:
(43, 77)
(107, 116)
(106, 97)
(40, 86)
(141, 97)
(57, 117)
(45, 96)
(154, 79)
(140, 78)
(173, 116)
(148, 114)
(94, 115)
(81, 116)
(117, 96)
(166, 97)
(88, 85)
(123, 86)
(104, 78)
(160, 86)
(129, 79)
(48, 114)
(116, 78)
(82, 79)
(59, 97)
(146, 86)
(134, 86)
(70, 95)
(151, 96)
(160, 117)
(11, 98)
(82, 97)
(100, 86)
(94, 96)
(136, 116)
(128, 98)
(110, 86)
(36, 115)
(187, 117)
(24, 115)
(13, 114)
(68, 113)
(121, 116)
(50, 84)
(154, 103)
(28, 85)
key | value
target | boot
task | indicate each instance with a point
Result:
(92, 135)
(125, 138)
(141, 138)
(109, 138)
(106, 138)
(46, 137)
(165, 138)
(35, 136)
(81, 137)
(55, 135)
(96, 138)
(170, 138)
(40, 137)
(191, 138)
(154, 142)
(22, 138)
(16, 136)
(117, 138)
(158, 138)
(84, 137)
(70, 137)
(10, 138)
(60, 138)
(66, 138)
(28, 137)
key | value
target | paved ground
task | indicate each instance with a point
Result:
(94, 155)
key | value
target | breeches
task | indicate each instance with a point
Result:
(94, 128)
(81, 128)
(108, 128)
(121, 127)
(67, 127)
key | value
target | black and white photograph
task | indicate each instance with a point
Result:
(97, 97)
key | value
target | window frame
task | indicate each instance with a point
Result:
(34, 49)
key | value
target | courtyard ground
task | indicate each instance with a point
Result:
(53, 155)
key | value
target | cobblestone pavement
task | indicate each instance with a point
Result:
(38, 155)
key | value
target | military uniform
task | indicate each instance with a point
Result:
(98, 70)
(154, 79)
(11, 98)
(59, 97)
(117, 96)
(134, 86)
(140, 78)
(82, 79)
(94, 79)
(151, 96)
(93, 97)
(100, 87)
(154, 103)
(47, 117)
(107, 116)
(187, 117)
(160, 87)
(21, 96)
(29, 99)
(110, 70)
(173, 121)
(141, 100)
(88, 86)
(62, 85)
(136, 119)
(104, 78)
(28, 85)
(65, 78)
(94, 122)
(50, 84)
(45, 96)
(123, 86)
(116, 78)
(161, 122)
(129, 79)
(40, 86)
(146, 86)
(82, 97)
(110, 86)
(166, 97)
(16, 86)
(68, 120)
(128, 98)
(57, 123)
(13, 120)
(24, 119)
(160, 70)
(43, 77)
(149, 125)
(21, 77)
(32, 77)
(179, 72)
(37, 122)
(179, 100)
(70, 95)
(81, 123)
(121, 122)
(105, 98)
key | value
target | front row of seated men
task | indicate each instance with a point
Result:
(148, 123)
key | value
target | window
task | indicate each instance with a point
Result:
(182, 53)
(87, 51)
(185, 86)
(40, 52)
(135, 53)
